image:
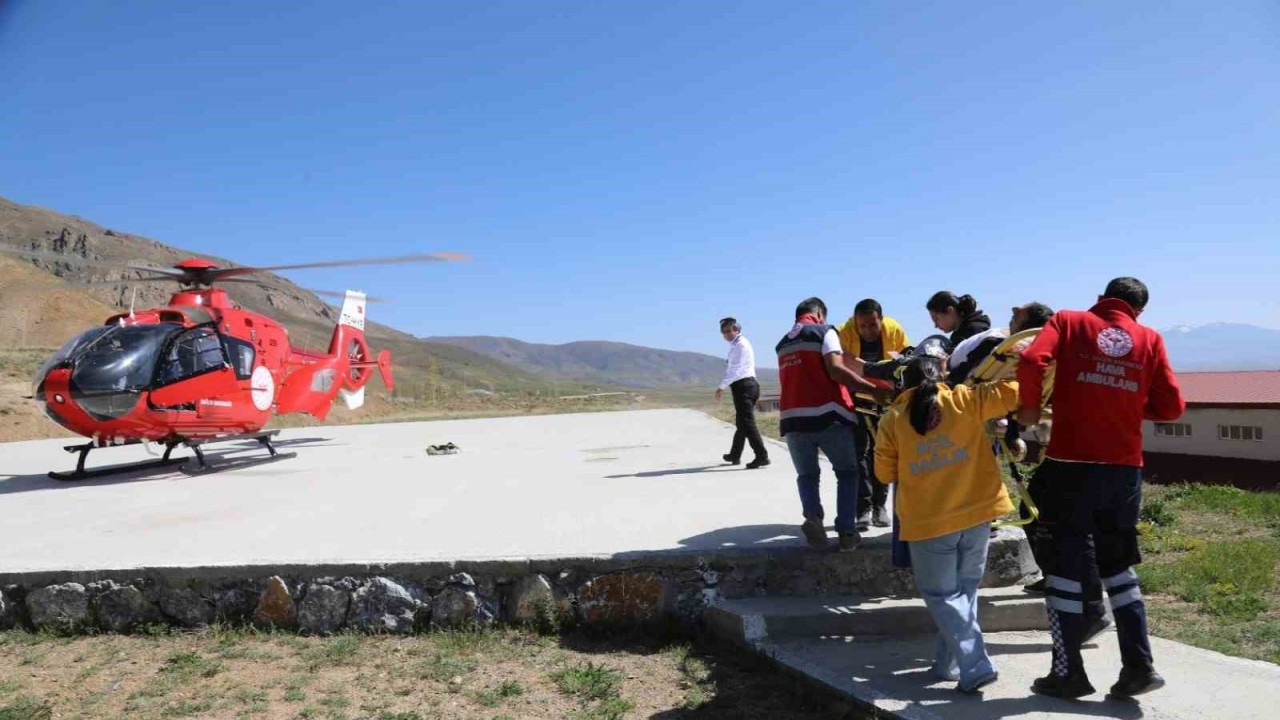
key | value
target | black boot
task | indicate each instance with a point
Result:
(1069, 687)
(1136, 682)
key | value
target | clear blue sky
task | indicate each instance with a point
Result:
(633, 170)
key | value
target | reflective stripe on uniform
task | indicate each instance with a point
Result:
(831, 407)
(1128, 577)
(1061, 583)
(1075, 607)
(1128, 597)
(796, 347)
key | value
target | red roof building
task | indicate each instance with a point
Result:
(1230, 433)
(1231, 389)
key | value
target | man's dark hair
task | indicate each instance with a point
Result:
(730, 324)
(868, 306)
(1038, 315)
(1130, 290)
(811, 306)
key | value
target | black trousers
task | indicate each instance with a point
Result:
(745, 394)
(1088, 520)
(872, 492)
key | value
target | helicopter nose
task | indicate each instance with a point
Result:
(54, 395)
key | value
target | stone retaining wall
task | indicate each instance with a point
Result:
(404, 598)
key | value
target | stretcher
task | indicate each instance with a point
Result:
(1002, 364)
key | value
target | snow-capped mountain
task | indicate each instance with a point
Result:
(1223, 346)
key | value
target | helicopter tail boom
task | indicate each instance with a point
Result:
(316, 380)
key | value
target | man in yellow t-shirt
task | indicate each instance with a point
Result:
(871, 336)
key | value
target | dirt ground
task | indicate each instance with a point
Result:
(491, 675)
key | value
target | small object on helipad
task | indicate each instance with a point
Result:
(445, 449)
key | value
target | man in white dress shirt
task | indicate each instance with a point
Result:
(740, 379)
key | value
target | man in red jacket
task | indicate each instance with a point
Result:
(1112, 373)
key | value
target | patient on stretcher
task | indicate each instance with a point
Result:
(969, 355)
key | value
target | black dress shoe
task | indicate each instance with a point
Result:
(1132, 684)
(1070, 687)
(758, 463)
(731, 459)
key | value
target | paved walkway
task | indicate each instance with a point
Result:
(895, 677)
(531, 487)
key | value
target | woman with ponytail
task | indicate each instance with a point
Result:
(932, 444)
(959, 316)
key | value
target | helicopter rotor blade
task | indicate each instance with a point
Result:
(399, 260)
(127, 280)
(342, 295)
(322, 293)
(85, 262)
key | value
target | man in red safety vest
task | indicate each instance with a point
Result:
(817, 414)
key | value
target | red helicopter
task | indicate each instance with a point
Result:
(201, 369)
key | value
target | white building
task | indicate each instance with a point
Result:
(1229, 434)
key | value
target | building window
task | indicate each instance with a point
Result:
(1173, 429)
(1240, 432)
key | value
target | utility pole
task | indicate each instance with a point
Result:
(433, 377)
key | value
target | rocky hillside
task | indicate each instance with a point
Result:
(619, 363)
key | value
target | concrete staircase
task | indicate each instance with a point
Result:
(755, 620)
(873, 655)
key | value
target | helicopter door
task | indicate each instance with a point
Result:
(193, 367)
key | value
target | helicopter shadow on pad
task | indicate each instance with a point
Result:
(228, 459)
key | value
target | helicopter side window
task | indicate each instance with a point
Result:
(241, 354)
(194, 352)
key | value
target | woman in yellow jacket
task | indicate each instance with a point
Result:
(932, 444)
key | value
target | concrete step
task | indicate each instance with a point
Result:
(892, 679)
(753, 620)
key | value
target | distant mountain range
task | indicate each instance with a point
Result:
(613, 363)
(1218, 346)
(1223, 346)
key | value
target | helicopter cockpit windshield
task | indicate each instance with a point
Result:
(110, 366)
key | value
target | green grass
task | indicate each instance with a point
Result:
(1229, 579)
(189, 666)
(588, 680)
(611, 708)
(696, 676)
(597, 688)
(444, 668)
(1210, 561)
(187, 708)
(26, 708)
(341, 650)
(1260, 506)
(495, 697)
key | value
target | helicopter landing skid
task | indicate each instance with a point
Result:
(263, 438)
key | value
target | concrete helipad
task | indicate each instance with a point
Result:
(602, 484)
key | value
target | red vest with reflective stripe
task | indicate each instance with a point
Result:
(811, 400)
